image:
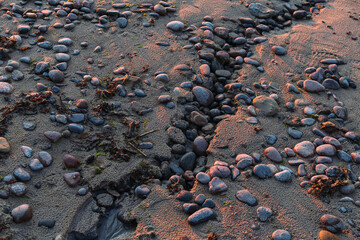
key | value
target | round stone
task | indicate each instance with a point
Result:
(266, 105)
(22, 213)
(305, 149)
(175, 25)
(56, 76)
(273, 154)
(71, 161)
(281, 234)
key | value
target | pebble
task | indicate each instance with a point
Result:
(176, 135)
(198, 119)
(18, 189)
(71, 161)
(313, 86)
(6, 88)
(72, 179)
(326, 150)
(278, 50)
(216, 185)
(142, 191)
(326, 235)
(264, 213)
(263, 171)
(265, 104)
(281, 234)
(219, 171)
(203, 178)
(200, 146)
(273, 154)
(294, 133)
(190, 208)
(35, 165)
(22, 213)
(184, 196)
(45, 158)
(283, 176)
(49, 223)
(175, 25)
(82, 191)
(76, 128)
(204, 96)
(28, 152)
(200, 199)
(305, 149)
(187, 161)
(53, 136)
(21, 175)
(4, 145)
(104, 200)
(82, 104)
(201, 216)
(246, 197)
(332, 223)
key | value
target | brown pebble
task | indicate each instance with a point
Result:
(71, 161)
(82, 103)
(326, 235)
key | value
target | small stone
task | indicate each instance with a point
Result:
(176, 135)
(294, 133)
(29, 125)
(35, 165)
(278, 50)
(283, 176)
(332, 223)
(184, 196)
(45, 158)
(22, 213)
(4, 145)
(313, 86)
(261, 11)
(203, 178)
(246, 197)
(305, 149)
(21, 175)
(204, 96)
(263, 171)
(265, 104)
(264, 213)
(56, 76)
(82, 104)
(190, 208)
(326, 150)
(200, 146)
(104, 200)
(142, 191)
(326, 235)
(219, 171)
(71, 161)
(216, 185)
(6, 88)
(18, 189)
(175, 25)
(281, 234)
(49, 223)
(273, 154)
(53, 136)
(72, 179)
(198, 119)
(201, 216)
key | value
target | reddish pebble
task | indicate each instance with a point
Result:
(82, 103)
(71, 161)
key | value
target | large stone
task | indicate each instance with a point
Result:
(22, 213)
(200, 216)
(204, 96)
(332, 223)
(313, 86)
(216, 185)
(266, 105)
(273, 154)
(6, 88)
(246, 197)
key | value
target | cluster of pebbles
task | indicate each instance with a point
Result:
(209, 95)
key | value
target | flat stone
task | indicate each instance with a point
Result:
(175, 25)
(70, 161)
(21, 175)
(263, 171)
(72, 179)
(53, 136)
(246, 197)
(201, 216)
(283, 176)
(203, 178)
(326, 150)
(313, 86)
(6, 88)
(219, 171)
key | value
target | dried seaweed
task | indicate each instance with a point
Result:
(324, 186)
